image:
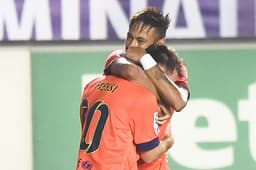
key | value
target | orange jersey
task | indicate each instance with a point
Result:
(161, 163)
(118, 118)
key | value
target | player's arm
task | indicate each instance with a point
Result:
(126, 69)
(117, 64)
(171, 94)
(148, 144)
(122, 67)
(155, 153)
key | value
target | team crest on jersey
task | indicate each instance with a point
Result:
(156, 127)
(86, 165)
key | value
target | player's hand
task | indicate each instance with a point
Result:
(135, 53)
(164, 114)
(162, 119)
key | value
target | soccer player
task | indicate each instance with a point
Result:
(175, 69)
(146, 28)
(118, 119)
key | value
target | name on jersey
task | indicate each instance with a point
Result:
(106, 86)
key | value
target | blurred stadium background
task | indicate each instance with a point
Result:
(50, 49)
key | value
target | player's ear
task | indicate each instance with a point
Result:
(162, 41)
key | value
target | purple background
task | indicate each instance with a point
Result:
(209, 10)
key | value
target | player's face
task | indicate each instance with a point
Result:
(141, 36)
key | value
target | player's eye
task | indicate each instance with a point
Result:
(140, 42)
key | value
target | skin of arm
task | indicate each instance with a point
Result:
(168, 91)
(172, 96)
(132, 72)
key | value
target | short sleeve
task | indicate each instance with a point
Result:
(145, 127)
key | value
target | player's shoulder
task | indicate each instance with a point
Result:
(140, 91)
(128, 86)
(95, 81)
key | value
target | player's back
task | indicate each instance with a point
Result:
(111, 109)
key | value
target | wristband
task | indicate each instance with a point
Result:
(147, 61)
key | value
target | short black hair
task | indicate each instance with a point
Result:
(166, 57)
(153, 17)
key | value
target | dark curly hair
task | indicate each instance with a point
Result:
(152, 17)
(166, 57)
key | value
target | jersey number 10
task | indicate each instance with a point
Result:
(87, 115)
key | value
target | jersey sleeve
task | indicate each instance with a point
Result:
(146, 138)
(145, 127)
